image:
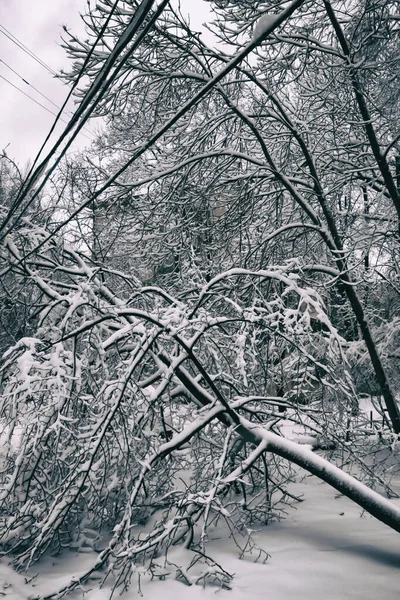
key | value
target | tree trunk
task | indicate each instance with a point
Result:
(375, 504)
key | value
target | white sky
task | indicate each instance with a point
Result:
(37, 24)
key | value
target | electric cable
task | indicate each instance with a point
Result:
(33, 173)
(37, 91)
(25, 49)
(98, 88)
(39, 103)
(30, 97)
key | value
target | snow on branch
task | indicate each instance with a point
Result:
(114, 397)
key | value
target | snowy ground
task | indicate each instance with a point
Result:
(324, 549)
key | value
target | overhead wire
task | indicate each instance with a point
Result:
(13, 38)
(98, 88)
(33, 174)
(25, 49)
(30, 97)
(38, 92)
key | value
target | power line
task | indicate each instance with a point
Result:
(96, 92)
(35, 172)
(25, 49)
(27, 83)
(36, 90)
(30, 97)
(38, 103)
(35, 57)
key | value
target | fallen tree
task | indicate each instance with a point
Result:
(111, 397)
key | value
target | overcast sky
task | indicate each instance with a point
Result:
(37, 24)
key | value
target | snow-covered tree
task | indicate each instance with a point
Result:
(288, 150)
(113, 399)
(206, 280)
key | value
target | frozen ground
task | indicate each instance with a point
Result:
(323, 550)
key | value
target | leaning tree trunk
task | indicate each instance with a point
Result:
(371, 501)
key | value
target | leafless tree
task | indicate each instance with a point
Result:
(207, 274)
